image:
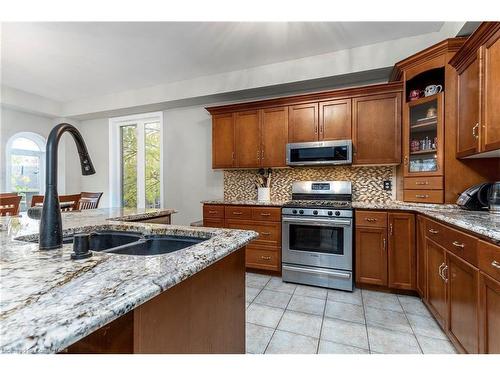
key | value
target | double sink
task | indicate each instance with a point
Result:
(135, 243)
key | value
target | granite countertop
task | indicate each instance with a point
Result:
(48, 301)
(479, 222)
(251, 202)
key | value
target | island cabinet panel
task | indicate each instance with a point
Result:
(463, 283)
(204, 314)
(247, 139)
(377, 117)
(421, 263)
(490, 132)
(303, 123)
(401, 251)
(371, 255)
(274, 136)
(335, 120)
(489, 316)
(436, 285)
(223, 141)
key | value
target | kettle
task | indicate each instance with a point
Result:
(494, 198)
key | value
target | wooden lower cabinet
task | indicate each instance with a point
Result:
(371, 255)
(421, 262)
(463, 281)
(263, 253)
(489, 314)
(401, 250)
(436, 286)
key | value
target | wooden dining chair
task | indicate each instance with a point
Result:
(89, 200)
(9, 206)
(37, 200)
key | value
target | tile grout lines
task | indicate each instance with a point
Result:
(366, 321)
(322, 322)
(411, 327)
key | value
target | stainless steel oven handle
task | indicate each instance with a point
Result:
(340, 275)
(325, 222)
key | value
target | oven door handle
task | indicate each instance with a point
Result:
(340, 275)
(313, 221)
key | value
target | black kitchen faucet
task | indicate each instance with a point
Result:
(51, 236)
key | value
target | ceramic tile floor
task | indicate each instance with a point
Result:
(289, 318)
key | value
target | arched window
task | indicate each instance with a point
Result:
(25, 170)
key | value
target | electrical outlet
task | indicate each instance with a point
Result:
(388, 185)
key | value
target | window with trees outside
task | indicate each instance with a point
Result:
(25, 169)
(136, 161)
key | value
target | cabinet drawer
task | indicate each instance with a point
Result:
(213, 211)
(489, 259)
(375, 219)
(266, 213)
(213, 222)
(263, 258)
(238, 212)
(269, 233)
(423, 196)
(430, 183)
(457, 242)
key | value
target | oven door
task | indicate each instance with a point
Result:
(317, 242)
(319, 153)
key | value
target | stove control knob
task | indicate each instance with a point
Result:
(330, 213)
(301, 212)
(294, 211)
(337, 213)
(315, 212)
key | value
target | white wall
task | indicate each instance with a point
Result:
(13, 121)
(188, 175)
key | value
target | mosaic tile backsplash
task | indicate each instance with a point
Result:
(367, 182)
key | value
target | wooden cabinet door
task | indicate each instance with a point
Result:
(489, 314)
(371, 255)
(247, 139)
(335, 120)
(436, 286)
(376, 129)
(421, 262)
(303, 123)
(490, 131)
(274, 136)
(223, 141)
(401, 252)
(463, 283)
(468, 110)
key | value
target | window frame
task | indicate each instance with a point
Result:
(115, 165)
(40, 142)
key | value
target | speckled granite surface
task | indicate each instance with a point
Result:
(48, 301)
(480, 222)
(245, 202)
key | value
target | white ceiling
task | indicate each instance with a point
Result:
(70, 61)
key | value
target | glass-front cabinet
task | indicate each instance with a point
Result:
(423, 149)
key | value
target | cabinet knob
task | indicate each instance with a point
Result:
(474, 128)
(495, 264)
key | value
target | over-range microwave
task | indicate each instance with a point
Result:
(319, 153)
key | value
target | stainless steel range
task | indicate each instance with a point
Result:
(317, 235)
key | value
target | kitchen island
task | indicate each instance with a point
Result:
(152, 304)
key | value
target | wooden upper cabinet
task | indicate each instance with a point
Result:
(463, 285)
(247, 139)
(468, 110)
(490, 132)
(376, 129)
(274, 135)
(335, 120)
(223, 141)
(303, 123)
(401, 252)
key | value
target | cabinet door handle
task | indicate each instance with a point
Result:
(425, 196)
(458, 244)
(212, 212)
(406, 160)
(440, 269)
(370, 219)
(265, 233)
(383, 243)
(495, 264)
(265, 257)
(390, 229)
(474, 128)
(237, 213)
(265, 214)
(433, 231)
(258, 155)
(262, 154)
(422, 183)
(445, 277)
